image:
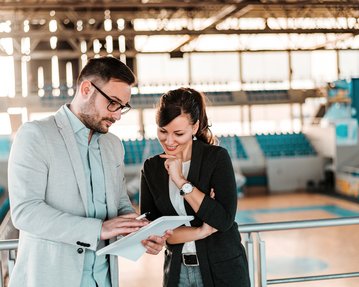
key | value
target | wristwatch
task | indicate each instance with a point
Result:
(186, 188)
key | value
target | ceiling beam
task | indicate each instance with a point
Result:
(70, 54)
(73, 5)
(93, 33)
(225, 13)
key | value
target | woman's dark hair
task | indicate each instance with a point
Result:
(105, 69)
(185, 101)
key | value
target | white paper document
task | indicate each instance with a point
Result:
(130, 246)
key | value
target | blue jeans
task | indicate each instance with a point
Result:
(190, 276)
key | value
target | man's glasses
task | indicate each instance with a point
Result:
(113, 106)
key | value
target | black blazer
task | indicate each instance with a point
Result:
(221, 255)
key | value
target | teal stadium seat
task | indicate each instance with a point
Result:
(4, 204)
(134, 151)
(267, 95)
(285, 145)
(152, 148)
(4, 208)
(5, 145)
(234, 146)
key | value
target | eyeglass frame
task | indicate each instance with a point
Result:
(111, 101)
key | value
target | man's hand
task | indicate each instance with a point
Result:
(121, 225)
(154, 244)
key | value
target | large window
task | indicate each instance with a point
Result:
(265, 70)
(324, 67)
(5, 127)
(274, 118)
(226, 120)
(161, 70)
(215, 71)
(128, 127)
(301, 70)
(7, 76)
(349, 64)
(150, 123)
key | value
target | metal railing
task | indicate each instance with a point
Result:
(259, 268)
(10, 246)
(256, 267)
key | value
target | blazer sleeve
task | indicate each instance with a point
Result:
(27, 173)
(220, 212)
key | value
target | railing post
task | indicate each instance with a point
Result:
(11, 261)
(250, 256)
(262, 262)
(1, 274)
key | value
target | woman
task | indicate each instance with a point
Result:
(194, 177)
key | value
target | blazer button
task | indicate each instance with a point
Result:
(80, 250)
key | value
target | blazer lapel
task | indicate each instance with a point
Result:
(66, 131)
(195, 168)
(196, 160)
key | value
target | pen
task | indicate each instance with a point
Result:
(142, 216)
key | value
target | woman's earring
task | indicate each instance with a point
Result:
(194, 137)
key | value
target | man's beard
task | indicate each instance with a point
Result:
(91, 123)
(90, 118)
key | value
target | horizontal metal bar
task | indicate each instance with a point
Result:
(9, 244)
(312, 278)
(255, 227)
(285, 225)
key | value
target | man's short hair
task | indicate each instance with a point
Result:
(105, 69)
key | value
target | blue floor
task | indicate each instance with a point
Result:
(291, 265)
(248, 216)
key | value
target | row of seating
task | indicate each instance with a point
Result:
(4, 209)
(220, 97)
(138, 150)
(272, 145)
(144, 99)
(215, 96)
(4, 204)
(267, 95)
(234, 146)
(5, 144)
(292, 144)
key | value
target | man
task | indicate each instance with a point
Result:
(67, 188)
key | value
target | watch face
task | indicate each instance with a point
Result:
(187, 188)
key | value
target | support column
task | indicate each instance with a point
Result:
(129, 46)
(291, 116)
(189, 58)
(17, 75)
(141, 130)
(301, 116)
(290, 72)
(250, 119)
(338, 64)
(241, 80)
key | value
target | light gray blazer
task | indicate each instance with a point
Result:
(48, 201)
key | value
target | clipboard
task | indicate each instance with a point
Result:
(130, 246)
